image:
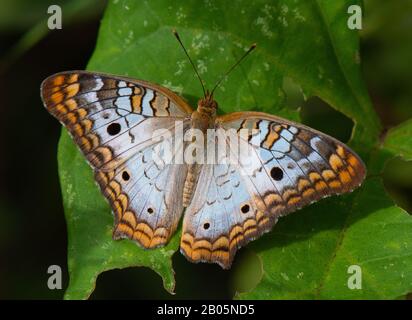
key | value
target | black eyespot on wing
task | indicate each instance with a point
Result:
(150, 210)
(125, 176)
(206, 225)
(276, 173)
(114, 128)
(245, 208)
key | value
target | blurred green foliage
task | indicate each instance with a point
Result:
(387, 42)
(31, 18)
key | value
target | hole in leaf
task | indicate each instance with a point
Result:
(318, 115)
(116, 284)
(294, 94)
(247, 270)
(397, 178)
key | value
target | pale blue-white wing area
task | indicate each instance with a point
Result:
(114, 121)
(146, 197)
(286, 167)
(219, 216)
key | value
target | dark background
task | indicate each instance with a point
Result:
(32, 225)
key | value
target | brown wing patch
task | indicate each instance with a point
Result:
(160, 105)
(59, 96)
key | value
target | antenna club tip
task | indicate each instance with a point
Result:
(175, 33)
(253, 46)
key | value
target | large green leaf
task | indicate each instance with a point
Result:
(307, 42)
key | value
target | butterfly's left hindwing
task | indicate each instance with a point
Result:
(288, 166)
(113, 120)
(145, 198)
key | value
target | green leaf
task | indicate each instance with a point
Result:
(303, 42)
(398, 140)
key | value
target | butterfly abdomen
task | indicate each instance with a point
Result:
(190, 183)
(202, 119)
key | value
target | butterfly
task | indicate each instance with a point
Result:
(112, 120)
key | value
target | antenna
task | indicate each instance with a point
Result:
(253, 46)
(191, 62)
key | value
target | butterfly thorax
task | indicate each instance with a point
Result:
(203, 118)
(207, 107)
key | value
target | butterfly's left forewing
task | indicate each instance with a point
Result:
(287, 167)
(114, 121)
(109, 117)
